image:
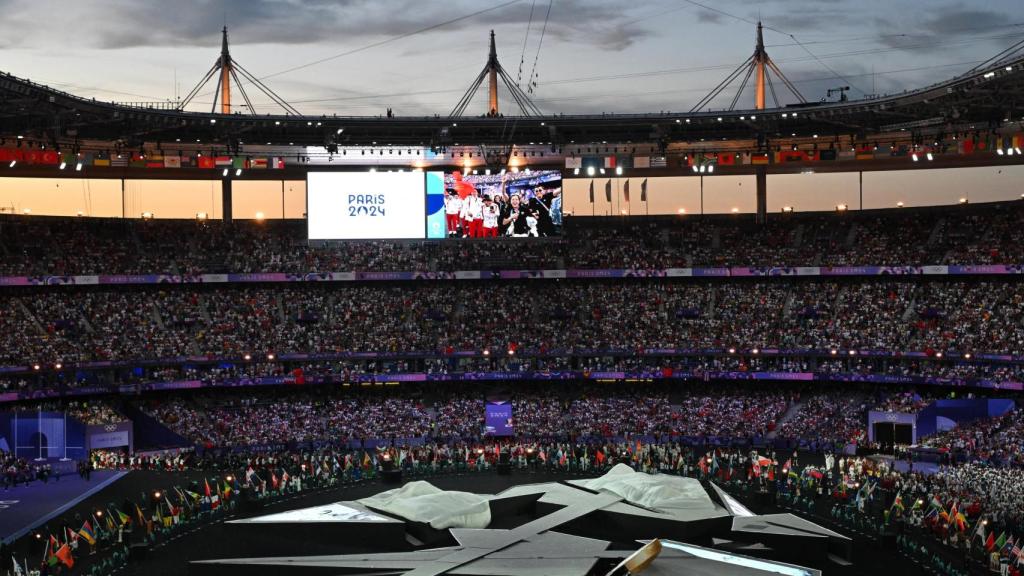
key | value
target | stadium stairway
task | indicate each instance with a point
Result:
(790, 413)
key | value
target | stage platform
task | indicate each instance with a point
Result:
(27, 507)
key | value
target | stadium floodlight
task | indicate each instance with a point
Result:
(247, 357)
(260, 216)
(929, 156)
(487, 172)
(841, 207)
(963, 200)
(35, 366)
(63, 165)
(702, 169)
(224, 173)
(967, 355)
(590, 170)
(213, 120)
(696, 169)
(575, 172)
(754, 351)
(999, 151)
(13, 163)
(270, 356)
(732, 350)
(833, 351)
(787, 208)
(78, 167)
(58, 365)
(899, 204)
(1017, 150)
(602, 171)
(238, 172)
(26, 211)
(618, 170)
(938, 354)
(711, 168)
(681, 211)
(511, 352)
(914, 157)
(487, 352)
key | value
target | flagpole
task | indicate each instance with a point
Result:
(65, 458)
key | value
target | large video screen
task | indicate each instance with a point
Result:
(509, 204)
(365, 205)
(498, 419)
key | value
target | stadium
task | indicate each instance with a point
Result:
(371, 309)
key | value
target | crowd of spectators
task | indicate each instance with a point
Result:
(64, 246)
(995, 441)
(117, 324)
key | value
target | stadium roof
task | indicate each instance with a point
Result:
(983, 99)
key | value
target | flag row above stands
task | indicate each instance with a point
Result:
(864, 151)
(136, 160)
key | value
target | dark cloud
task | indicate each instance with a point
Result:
(198, 22)
(709, 17)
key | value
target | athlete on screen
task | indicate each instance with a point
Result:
(452, 208)
(491, 212)
(472, 216)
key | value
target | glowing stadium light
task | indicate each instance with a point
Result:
(732, 350)
(711, 168)
(754, 351)
(147, 215)
(511, 352)
(682, 211)
(224, 173)
(213, 120)
(938, 354)
(78, 167)
(785, 115)
(833, 351)
(967, 355)
(590, 170)
(575, 172)
(899, 204)
(247, 357)
(787, 208)
(929, 156)
(58, 365)
(752, 117)
(702, 169)
(201, 216)
(35, 366)
(990, 75)
(1009, 68)
(914, 157)
(1009, 152)
(13, 163)
(270, 356)
(853, 352)
(735, 210)
(841, 207)
(260, 216)
(487, 352)
(618, 170)
(719, 118)
(602, 171)
(26, 211)
(696, 169)
(1017, 150)
(63, 165)
(238, 172)
(963, 200)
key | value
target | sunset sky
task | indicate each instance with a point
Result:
(361, 56)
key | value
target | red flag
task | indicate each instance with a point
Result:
(64, 555)
(207, 162)
(990, 544)
(599, 457)
(207, 487)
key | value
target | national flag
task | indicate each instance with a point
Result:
(659, 162)
(206, 162)
(726, 159)
(274, 480)
(641, 161)
(86, 532)
(172, 161)
(625, 190)
(64, 556)
(277, 163)
(48, 554)
(897, 503)
(759, 158)
(980, 530)
(608, 190)
(122, 517)
(574, 162)
(599, 457)
(643, 190)
(222, 161)
(239, 163)
(1007, 548)
(259, 163)
(17, 567)
(609, 161)
(990, 544)
(591, 191)
(227, 490)
(137, 160)
(119, 161)
(101, 159)
(206, 488)
(1000, 542)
